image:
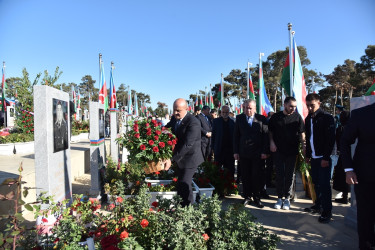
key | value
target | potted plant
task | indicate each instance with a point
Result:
(148, 143)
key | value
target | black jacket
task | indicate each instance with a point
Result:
(361, 126)
(205, 128)
(250, 141)
(217, 134)
(187, 153)
(324, 134)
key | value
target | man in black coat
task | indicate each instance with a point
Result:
(320, 140)
(206, 131)
(250, 146)
(360, 170)
(187, 153)
(222, 140)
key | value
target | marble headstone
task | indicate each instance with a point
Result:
(10, 115)
(52, 144)
(79, 114)
(97, 149)
(114, 133)
(351, 216)
(85, 115)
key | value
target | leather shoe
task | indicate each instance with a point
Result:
(325, 217)
(258, 204)
(342, 200)
(246, 202)
(313, 209)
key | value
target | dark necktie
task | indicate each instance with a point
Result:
(177, 125)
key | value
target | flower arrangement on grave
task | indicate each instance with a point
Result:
(210, 173)
(163, 187)
(123, 179)
(149, 143)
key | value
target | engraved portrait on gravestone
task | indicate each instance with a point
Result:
(60, 125)
(101, 123)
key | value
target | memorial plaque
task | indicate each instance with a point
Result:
(101, 123)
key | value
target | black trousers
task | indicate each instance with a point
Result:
(251, 172)
(184, 189)
(284, 166)
(365, 196)
(227, 161)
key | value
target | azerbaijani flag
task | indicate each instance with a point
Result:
(211, 102)
(299, 87)
(264, 103)
(206, 99)
(3, 86)
(201, 103)
(371, 90)
(250, 88)
(74, 99)
(103, 95)
(196, 101)
(130, 110)
(285, 78)
(112, 92)
(79, 100)
(135, 104)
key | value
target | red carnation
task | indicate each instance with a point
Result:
(155, 204)
(161, 144)
(156, 137)
(175, 179)
(142, 147)
(137, 136)
(130, 217)
(144, 223)
(149, 184)
(149, 132)
(124, 235)
(147, 125)
(158, 132)
(205, 236)
(44, 220)
(157, 172)
(170, 135)
(155, 149)
(151, 142)
(120, 199)
(159, 124)
(111, 206)
(170, 143)
(174, 142)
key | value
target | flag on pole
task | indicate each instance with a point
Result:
(285, 78)
(103, 95)
(130, 110)
(3, 87)
(79, 100)
(196, 101)
(201, 102)
(135, 104)
(222, 102)
(250, 87)
(212, 102)
(299, 87)
(74, 99)
(206, 99)
(371, 90)
(264, 104)
(112, 91)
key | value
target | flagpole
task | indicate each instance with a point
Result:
(4, 102)
(111, 87)
(261, 83)
(222, 92)
(248, 79)
(291, 58)
(100, 71)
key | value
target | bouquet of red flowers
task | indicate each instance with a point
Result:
(150, 143)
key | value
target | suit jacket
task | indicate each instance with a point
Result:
(205, 127)
(250, 141)
(60, 134)
(360, 126)
(187, 153)
(217, 134)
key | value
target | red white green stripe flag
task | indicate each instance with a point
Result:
(3, 87)
(250, 87)
(285, 78)
(201, 102)
(103, 95)
(371, 90)
(112, 91)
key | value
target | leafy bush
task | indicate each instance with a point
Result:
(17, 137)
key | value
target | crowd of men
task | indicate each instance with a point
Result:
(257, 143)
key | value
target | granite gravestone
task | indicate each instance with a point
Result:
(97, 149)
(114, 133)
(10, 115)
(78, 114)
(52, 147)
(85, 115)
(351, 216)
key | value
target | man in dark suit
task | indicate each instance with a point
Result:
(60, 130)
(222, 140)
(250, 146)
(187, 153)
(206, 131)
(360, 170)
